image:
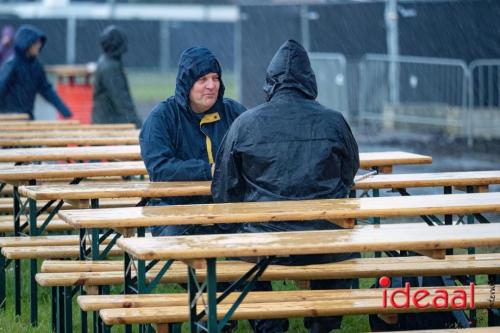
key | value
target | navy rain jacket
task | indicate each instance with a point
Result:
(22, 77)
(112, 101)
(176, 143)
(290, 148)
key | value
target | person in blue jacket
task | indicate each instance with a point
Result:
(23, 76)
(289, 148)
(180, 137)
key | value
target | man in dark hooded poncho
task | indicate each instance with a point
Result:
(182, 134)
(23, 76)
(290, 148)
(112, 101)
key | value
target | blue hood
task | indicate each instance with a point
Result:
(193, 64)
(26, 36)
(290, 69)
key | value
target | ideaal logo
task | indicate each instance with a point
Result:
(421, 298)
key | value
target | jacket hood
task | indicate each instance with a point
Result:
(113, 41)
(194, 63)
(290, 69)
(26, 36)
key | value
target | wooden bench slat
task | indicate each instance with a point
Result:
(278, 306)
(6, 205)
(110, 274)
(49, 252)
(54, 225)
(102, 140)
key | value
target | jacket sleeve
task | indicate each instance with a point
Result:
(7, 74)
(46, 90)
(350, 164)
(159, 156)
(228, 183)
(116, 84)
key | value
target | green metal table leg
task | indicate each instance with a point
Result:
(192, 288)
(448, 219)
(376, 220)
(68, 313)
(2, 282)
(212, 296)
(53, 308)
(83, 315)
(17, 262)
(60, 309)
(33, 265)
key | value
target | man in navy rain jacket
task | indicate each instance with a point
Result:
(182, 134)
(290, 148)
(23, 76)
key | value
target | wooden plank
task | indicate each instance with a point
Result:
(280, 307)
(188, 188)
(40, 123)
(136, 301)
(391, 158)
(330, 209)
(54, 225)
(14, 116)
(50, 252)
(70, 153)
(61, 142)
(462, 178)
(362, 239)
(116, 190)
(77, 133)
(72, 170)
(11, 126)
(55, 273)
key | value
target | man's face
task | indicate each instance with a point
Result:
(34, 49)
(204, 92)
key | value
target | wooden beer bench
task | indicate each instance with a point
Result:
(14, 116)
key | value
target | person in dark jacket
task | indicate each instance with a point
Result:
(181, 135)
(6, 43)
(23, 76)
(289, 148)
(112, 101)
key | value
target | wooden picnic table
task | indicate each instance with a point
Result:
(205, 249)
(39, 123)
(122, 152)
(14, 116)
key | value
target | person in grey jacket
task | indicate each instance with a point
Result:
(112, 99)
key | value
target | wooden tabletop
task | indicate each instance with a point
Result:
(70, 70)
(14, 116)
(331, 209)
(71, 133)
(22, 173)
(62, 126)
(390, 158)
(190, 188)
(363, 239)
(70, 153)
(98, 140)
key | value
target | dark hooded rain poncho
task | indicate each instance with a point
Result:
(290, 148)
(178, 144)
(113, 103)
(22, 77)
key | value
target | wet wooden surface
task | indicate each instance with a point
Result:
(70, 153)
(76, 133)
(61, 126)
(23, 173)
(330, 209)
(14, 116)
(165, 189)
(362, 239)
(65, 141)
(391, 158)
